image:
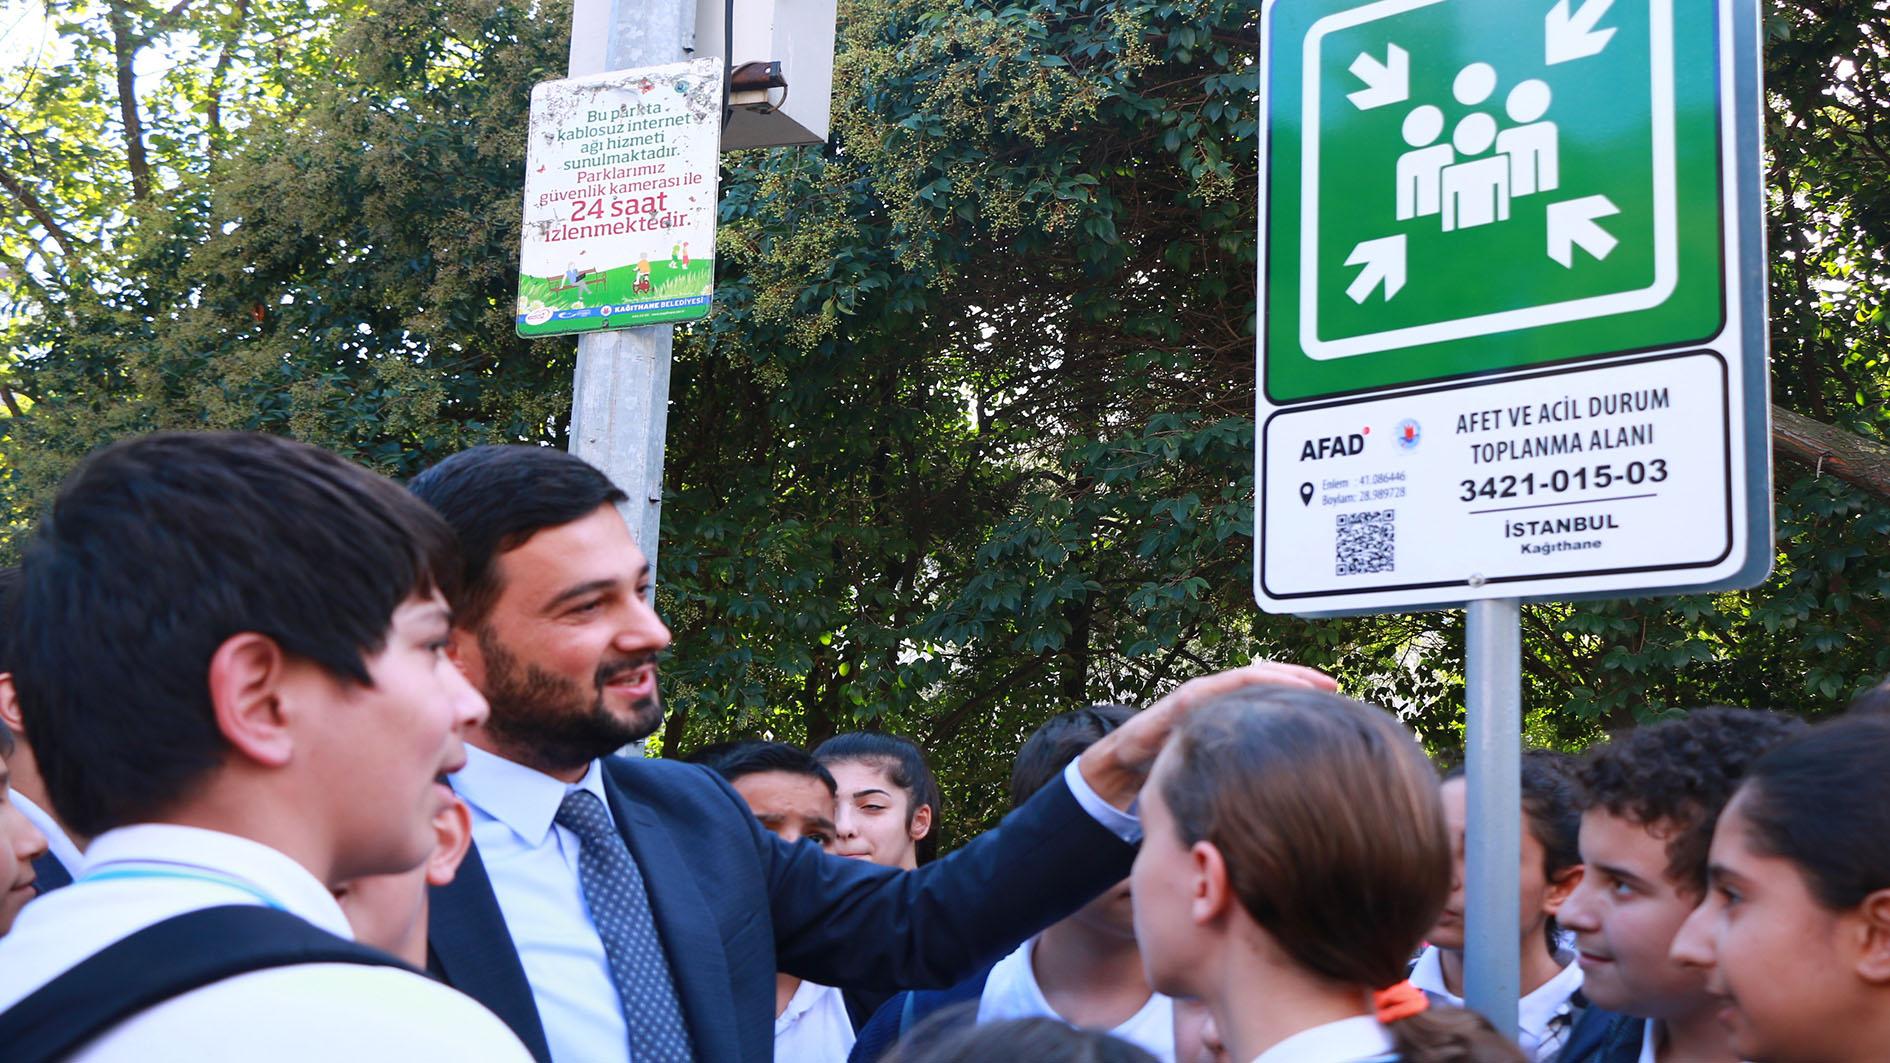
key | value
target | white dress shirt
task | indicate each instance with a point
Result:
(141, 875)
(533, 865)
(57, 841)
(1356, 1040)
(814, 1027)
(1534, 1012)
(1012, 992)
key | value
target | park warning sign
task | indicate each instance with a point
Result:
(1512, 331)
(620, 199)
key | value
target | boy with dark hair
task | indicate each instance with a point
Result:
(1652, 796)
(1085, 971)
(60, 860)
(790, 792)
(20, 844)
(793, 795)
(231, 660)
(1552, 866)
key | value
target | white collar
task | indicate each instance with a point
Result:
(1650, 1042)
(192, 852)
(1357, 1038)
(1428, 975)
(57, 839)
(806, 996)
(1534, 1011)
(522, 798)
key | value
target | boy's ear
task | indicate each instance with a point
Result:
(1873, 961)
(1561, 885)
(1212, 893)
(247, 675)
(452, 830)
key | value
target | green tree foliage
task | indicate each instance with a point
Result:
(968, 438)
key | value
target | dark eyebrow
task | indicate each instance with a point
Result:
(871, 790)
(1615, 872)
(1718, 872)
(581, 590)
(591, 587)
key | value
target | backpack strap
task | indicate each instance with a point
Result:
(163, 961)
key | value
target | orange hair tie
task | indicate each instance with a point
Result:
(1399, 1001)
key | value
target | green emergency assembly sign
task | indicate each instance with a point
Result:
(1512, 323)
(1453, 187)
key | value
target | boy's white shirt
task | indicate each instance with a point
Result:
(298, 1014)
(814, 1027)
(1533, 1012)
(1011, 992)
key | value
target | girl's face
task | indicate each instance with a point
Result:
(1780, 964)
(874, 819)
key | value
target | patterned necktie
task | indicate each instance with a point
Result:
(620, 909)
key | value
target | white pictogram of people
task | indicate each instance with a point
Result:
(1457, 180)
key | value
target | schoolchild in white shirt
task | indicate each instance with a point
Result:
(792, 795)
(1551, 867)
(232, 663)
(1085, 970)
(1652, 796)
(1295, 854)
(1794, 934)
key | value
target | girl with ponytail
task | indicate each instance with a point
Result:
(1295, 854)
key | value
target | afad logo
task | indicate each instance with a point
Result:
(1407, 433)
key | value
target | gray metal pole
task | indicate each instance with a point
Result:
(1493, 841)
(620, 397)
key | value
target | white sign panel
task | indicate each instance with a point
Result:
(620, 199)
(1586, 476)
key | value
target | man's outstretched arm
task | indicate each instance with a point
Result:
(841, 922)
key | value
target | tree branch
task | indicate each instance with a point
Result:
(1844, 454)
(125, 45)
(221, 69)
(31, 202)
(166, 22)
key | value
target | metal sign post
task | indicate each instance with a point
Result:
(1493, 834)
(1511, 338)
(620, 398)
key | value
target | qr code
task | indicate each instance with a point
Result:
(1367, 542)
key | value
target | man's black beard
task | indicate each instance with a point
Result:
(550, 723)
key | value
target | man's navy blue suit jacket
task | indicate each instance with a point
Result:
(734, 904)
